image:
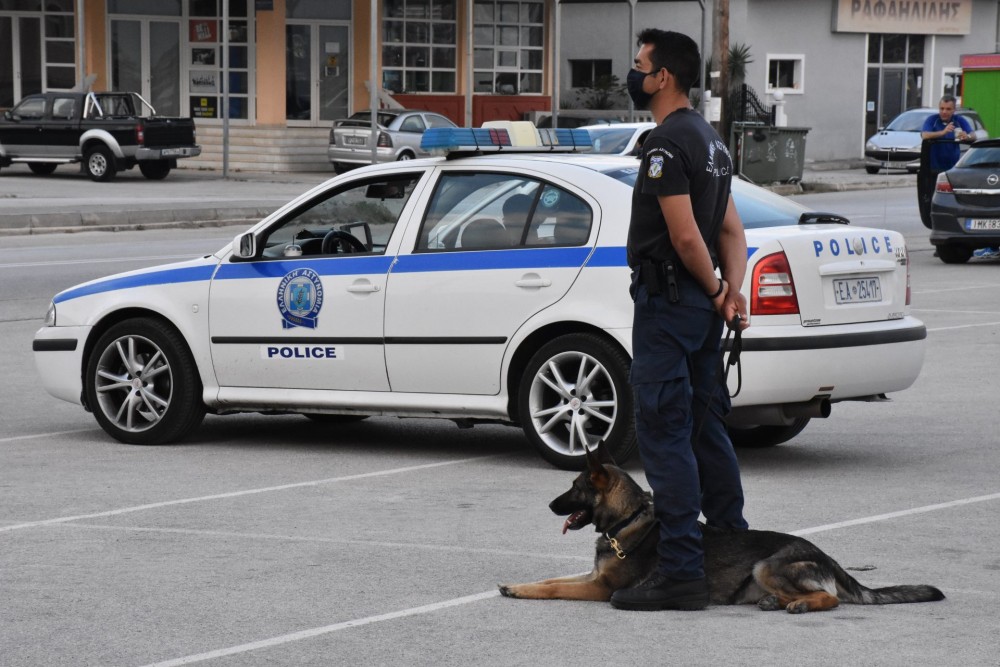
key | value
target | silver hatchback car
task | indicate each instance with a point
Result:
(399, 134)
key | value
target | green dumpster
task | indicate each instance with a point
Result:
(769, 154)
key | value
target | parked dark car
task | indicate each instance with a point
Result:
(106, 132)
(965, 210)
(897, 145)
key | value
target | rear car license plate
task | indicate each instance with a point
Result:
(355, 141)
(982, 224)
(172, 152)
(858, 290)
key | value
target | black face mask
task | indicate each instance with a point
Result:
(633, 82)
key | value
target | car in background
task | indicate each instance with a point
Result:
(618, 139)
(490, 286)
(965, 208)
(897, 145)
(399, 134)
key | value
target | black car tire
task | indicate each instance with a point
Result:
(405, 155)
(873, 170)
(155, 170)
(759, 437)
(545, 400)
(954, 254)
(142, 383)
(99, 163)
(42, 168)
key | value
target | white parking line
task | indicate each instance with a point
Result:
(98, 260)
(237, 494)
(964, 326)
(45, 435)
(454, 602)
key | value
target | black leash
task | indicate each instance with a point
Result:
(735, 351)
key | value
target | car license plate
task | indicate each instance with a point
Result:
(858, 290)
(983, 224)
(171, 152)
(355, 141)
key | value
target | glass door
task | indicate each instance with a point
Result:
(317, 72)
(155, 73)
(20, 58)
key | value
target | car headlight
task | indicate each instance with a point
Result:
(50, 315)
(871, 147)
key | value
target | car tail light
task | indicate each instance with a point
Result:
(943, 184)
(772, 291)
(384, 140)
(140, 134)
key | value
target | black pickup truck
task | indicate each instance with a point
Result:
(105, 132)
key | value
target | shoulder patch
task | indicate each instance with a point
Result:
(655, 166)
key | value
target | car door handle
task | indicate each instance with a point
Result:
(533, 280)
(363, 287)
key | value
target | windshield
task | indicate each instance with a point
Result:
(611, 140)
(911, 121)
(757, 207)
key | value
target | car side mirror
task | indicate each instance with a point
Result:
(245, 246)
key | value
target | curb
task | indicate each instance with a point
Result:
(117, 221)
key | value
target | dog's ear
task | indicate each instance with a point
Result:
(598, 473)
(604, 454)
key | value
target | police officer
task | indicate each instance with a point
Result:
(684, 223)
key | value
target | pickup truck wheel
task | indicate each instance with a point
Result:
(142, 383)
(99, 162)
(156, 170)
(42, 168)
(574, 393)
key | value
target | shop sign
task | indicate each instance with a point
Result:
(917, 17)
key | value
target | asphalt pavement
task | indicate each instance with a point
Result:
(68, 201)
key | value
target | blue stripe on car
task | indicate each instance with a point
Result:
(528, 258)
(185, 275)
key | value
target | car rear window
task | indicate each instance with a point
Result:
(366, 116)
(757, 207)
(981, 156)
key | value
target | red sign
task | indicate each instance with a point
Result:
(981, 61)
(204, 31)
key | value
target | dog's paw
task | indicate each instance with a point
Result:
(769, 603)
(507, 590)
(797, 607)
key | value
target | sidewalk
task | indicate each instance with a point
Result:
(67, 201)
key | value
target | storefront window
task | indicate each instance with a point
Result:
(207, 59)
(509, 40)
(419, 46)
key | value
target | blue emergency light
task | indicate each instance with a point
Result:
(453, 141)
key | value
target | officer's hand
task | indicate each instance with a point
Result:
(736, 304)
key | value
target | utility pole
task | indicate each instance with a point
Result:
(720, 61)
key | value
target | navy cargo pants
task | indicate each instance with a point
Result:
(676, 350)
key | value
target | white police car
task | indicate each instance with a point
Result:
(490, 287)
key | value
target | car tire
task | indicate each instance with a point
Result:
(554, 411)
(155, 170)
(759, 437)
(323, 418)
(99, 163)
(142, 384)
(341, 167)
(873, 170)
(954, 254)
(405, 155)
(42, 168)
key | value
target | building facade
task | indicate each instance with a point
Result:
(281, 71)
(843, 67)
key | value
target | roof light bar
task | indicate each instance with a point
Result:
(451, 141)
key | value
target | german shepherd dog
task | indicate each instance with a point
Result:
(773, 570)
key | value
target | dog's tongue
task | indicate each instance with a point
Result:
(569, 521)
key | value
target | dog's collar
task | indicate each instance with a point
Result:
(620, 526)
